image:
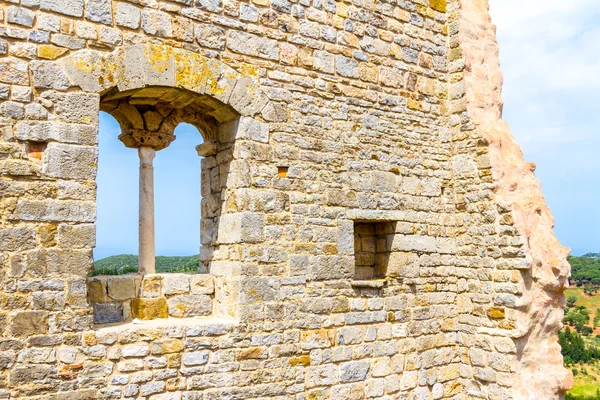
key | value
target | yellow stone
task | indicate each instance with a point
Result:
(302, 360)
(50, 52)
(438, 5)
(251, 353)
(496, 313)
(149, 308)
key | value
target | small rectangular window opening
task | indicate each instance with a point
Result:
(372, 248)
(36, 149)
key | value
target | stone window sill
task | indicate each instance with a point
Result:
(371, 283)
(207, 323)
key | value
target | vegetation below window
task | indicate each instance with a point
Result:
(128, 264)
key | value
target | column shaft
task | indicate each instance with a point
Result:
(146, 249)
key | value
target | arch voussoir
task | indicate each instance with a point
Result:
(142, 66)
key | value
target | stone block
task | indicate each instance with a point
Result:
(253, 45)
(48, 75)
(99, 11)
(29, 323)
(97, 292)
(151, 286)
(354, 371)
(241, 228)
(127, 15)
(121, 288)
(20, 16)
(252, 129)
(189, 306)
(17, 239)
(14, 71)
(149, 308)
(211, 36)
(157, 23)
(176, 284)
(70, 161)
(106, 313)
(195, 358)
(202, 284)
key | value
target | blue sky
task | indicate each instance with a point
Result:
(176, 187)
(550, 57)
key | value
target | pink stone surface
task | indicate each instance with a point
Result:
(539, 371)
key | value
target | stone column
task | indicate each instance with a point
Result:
(146, 251)
(147, 144)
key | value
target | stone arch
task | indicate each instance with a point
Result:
(141, 66)
(222, 103)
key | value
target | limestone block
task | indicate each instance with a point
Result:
(151, 286)
(121, 287)
(250, 128)
(241, 227)
(202, 284)
(97, 292)
(189, 306)
(70, 161)
(28, 323)
(176, 284)
(348, 392)
(77, 236)
(323, 375)
(324, 62)
(157, 23)
(52, 210)
(25, 374)
(149, 308)
(246, 98)
(346, 67)
(253, 45)
(331, 267)
(99, 11)
(167, 346)
(403, 265)
(106, 313)
(20, 16)
(427, 244)
(354, 371)
(17, 239)
(195, 358)
(135, 350)
(52, 131)
(127, 15)
(67, 7)
(259, 289)
(14, 71)
(210, 36)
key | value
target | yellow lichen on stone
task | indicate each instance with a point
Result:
(50, 52)
(301, 360)
(438, 5)
(496, 313)
(148, 309)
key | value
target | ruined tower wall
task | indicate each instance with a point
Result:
(389, 168)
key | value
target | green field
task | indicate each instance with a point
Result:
(592, 303)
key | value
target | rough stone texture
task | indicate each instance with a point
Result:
(547, 271)
(317, 117)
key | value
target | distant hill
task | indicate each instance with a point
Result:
(128, 264)
(592, 255)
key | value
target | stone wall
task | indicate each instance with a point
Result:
(317, 117)
(148, 297)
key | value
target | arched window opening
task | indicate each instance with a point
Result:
(177, 203)
(117, 204)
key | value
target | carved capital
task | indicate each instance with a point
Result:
(136, 138)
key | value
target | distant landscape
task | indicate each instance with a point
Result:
(580, 337)
(128, 264)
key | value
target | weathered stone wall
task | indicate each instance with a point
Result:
(366, 107)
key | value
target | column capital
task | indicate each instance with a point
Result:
(136, 138)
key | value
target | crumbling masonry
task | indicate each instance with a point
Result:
(369, 227)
